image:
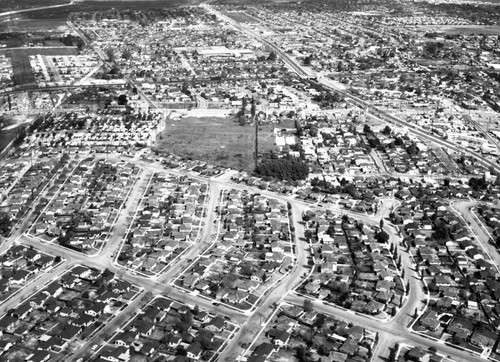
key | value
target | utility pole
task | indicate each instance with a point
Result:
(256, 142)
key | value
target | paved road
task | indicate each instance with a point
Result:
(478, 228)
(369, 109)
(391, 331)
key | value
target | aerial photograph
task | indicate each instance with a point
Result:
(249, 180)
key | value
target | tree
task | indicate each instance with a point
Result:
(126, 54)
(382, 236)
(122, 100)
(308, 305)
(289, 168)
(5, 223)
(21, 135)
(319, 321)
(440, 231)
(110, 54)
(302, 354)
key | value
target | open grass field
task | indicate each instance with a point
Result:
(240, 16)
(216, 140)
(219, 141)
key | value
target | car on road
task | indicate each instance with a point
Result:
(94, 347)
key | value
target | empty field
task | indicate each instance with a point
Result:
(218, 141)
(240, 16)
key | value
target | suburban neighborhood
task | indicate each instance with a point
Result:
(230, 181)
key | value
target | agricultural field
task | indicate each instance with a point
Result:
(9, 5)
(218, 141)
(21, 65)
(6, 136)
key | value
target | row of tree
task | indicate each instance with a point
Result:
(288, 168)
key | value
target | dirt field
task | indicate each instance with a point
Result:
(218, 141)
(240, 16)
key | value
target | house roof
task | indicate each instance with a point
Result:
(194, 348)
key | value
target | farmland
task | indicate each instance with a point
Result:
(9, 5)
(21, 67)
(6, 136)
(21, 64)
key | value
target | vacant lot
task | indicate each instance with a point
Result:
(218, 141)
(240, 16)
